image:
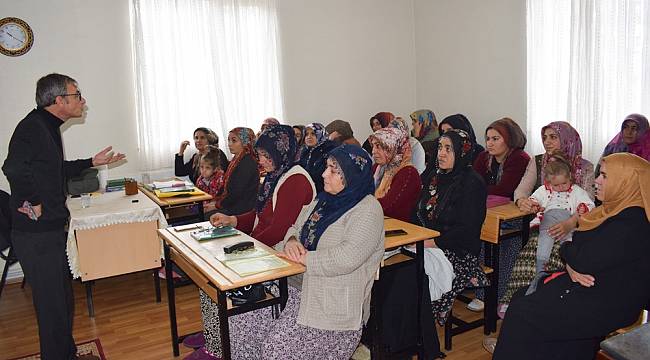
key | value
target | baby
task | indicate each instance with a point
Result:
(211, 178)
(558, 200)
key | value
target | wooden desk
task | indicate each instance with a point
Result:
(414, 234)
(115, 235)
(493, 236)
(167, 204)
(198, 261)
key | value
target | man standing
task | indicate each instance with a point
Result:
(37, 174)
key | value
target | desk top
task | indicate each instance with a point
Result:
(176, 200)
(202, 255)
(490, 231)
(414, 233)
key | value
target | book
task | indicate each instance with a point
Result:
(171, 184)
(214, 233)
(252, 261)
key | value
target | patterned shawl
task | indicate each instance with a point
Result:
(395, 142)
(355, 166)
(308, 153)
(280, 143)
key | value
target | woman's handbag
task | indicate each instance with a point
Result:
(247, 294)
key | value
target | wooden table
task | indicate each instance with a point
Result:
(167, 204)
(493, 236)
(198, 261)
(115, 235)
(414, 234)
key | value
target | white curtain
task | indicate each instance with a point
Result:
(211, 63)
(588, 64)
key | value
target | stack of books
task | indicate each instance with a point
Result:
(115, 185)
(173, 187)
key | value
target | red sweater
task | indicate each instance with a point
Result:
(513, 170)
(272, 225)
(402, 195)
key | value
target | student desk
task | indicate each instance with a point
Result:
(115, 235)
(414, 234)
(493, 236)
(167, 204)
(197, 260)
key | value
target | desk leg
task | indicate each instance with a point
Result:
(492, 292)
(419, 265)
(284, 293)
(89, 297)
(223, 324)
(201, 211)
(156, 284)
(171, 300)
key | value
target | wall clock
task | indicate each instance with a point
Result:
(16, 37)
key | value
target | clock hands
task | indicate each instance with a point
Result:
(15, 38)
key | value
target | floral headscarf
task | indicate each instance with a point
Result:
(247, 138)
(319, 131)
(571, 146)
(384, 118)
(428, 125)
(640, 147)
(355, 166)
(280, 143)
(396, 144)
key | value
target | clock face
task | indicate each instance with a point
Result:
(16, 37)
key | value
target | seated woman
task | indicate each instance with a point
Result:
(242, 177)
(202, 138)
(425, 126)
(398, 182)
(314, 156)
(502, 165)
(341, 132)
(283, 194)
(459, 122)
(633, 138)
(378, 121)
(607, 279)
(556, 136)
(418, 156)
(453, 203)
(299, 131)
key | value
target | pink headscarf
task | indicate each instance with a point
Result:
(640, 147)
(571, 146)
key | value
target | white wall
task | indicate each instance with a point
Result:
(347, 59)
(471, 58)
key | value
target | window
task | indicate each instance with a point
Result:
(202, 63)
(588, 64)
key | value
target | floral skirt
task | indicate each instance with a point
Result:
(524, 270)
(468, 273)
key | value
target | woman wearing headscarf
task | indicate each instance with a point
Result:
(203, 138)
(453, 202)
(341, 132)
(502, 166)
(299, 131)
(339, 238)
(378, 121)
(286, 189)
(556, 136)
(459, 122)
(314, 156)
(418, 157)
(242, 176)
(425, 127)
(396, 179)
(634, 138)
(607, 278)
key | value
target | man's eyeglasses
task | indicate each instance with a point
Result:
(77, 94)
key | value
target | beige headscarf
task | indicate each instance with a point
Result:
(395, 142)
(628, 185)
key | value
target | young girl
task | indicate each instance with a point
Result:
(211, 176)
(559, 202)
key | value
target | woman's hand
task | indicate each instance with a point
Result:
(430, 243)
(294, 251)
(585, 280)
(560, 230)
(220, 219)
(184, 146)
(527, 204)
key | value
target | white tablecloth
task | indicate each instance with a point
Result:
(104, 210)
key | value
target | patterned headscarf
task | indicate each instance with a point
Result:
(355, 167)
(271, 121)
(443, 184)
(319, 131)
(247, 138)
(428, 124)
(398, 150)
(384, 118)
(628, 185)
(640, 147)
(280, 143)
(571, 147)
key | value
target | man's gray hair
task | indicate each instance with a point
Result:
(50, 86)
